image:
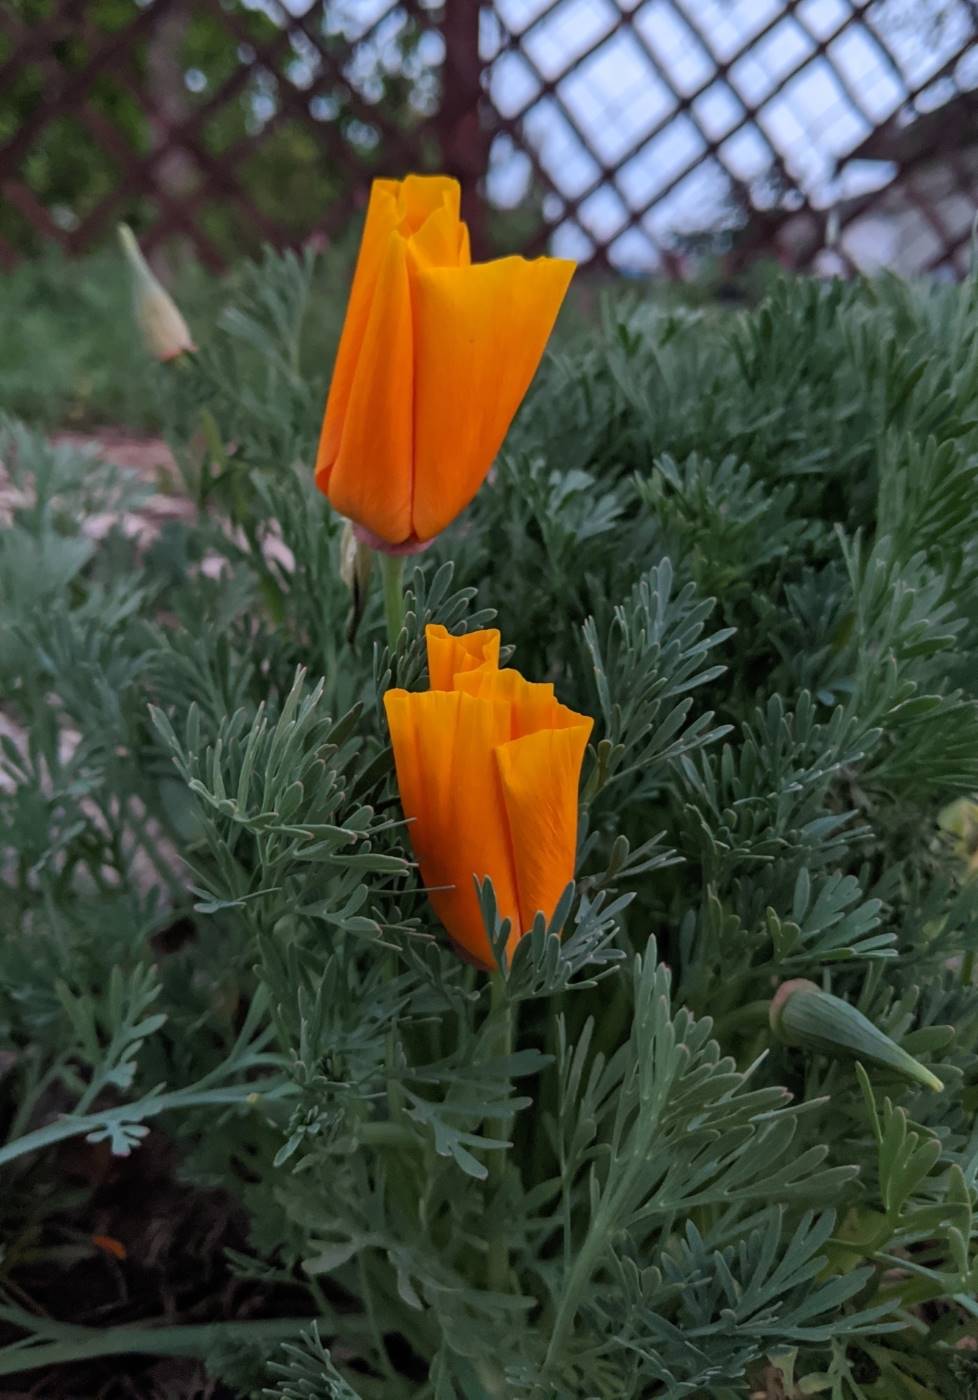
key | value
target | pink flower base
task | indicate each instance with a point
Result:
(367, 537)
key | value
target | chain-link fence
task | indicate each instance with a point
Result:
(640, 135)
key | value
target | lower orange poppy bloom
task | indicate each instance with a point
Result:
(488, 767)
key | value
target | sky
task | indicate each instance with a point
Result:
(811, 107)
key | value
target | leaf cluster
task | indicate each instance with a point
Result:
(745, 543)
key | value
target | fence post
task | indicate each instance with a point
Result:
(463, 139)
(168, 105)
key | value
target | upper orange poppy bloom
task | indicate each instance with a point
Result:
(435, 357)
(488, 766)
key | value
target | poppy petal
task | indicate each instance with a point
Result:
(450, 656)
(371, 479)
(382, 218)
(479, 333)
(531, 705)
(539, 776)
(420, 195)
(444, 745)
(436, 243)
(402, 205)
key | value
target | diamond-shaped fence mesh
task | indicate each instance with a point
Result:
(222, 123)
(638, 135)
(831, 132)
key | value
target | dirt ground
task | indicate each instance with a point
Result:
(174, 1271)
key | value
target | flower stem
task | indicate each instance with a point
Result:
(392, 573)
(577, 1281)
(501, 1022)
(746, 1017)
(69, 1343)
(149, 1107)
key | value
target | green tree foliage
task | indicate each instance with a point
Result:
(745, 544)
(267, 116)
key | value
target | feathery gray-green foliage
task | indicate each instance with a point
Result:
(745, 543)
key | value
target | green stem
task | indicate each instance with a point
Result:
(607, 1213)
(375, 1329)
(491, 1379)
(386, 1135)
(501, 1022)
(82, 1343)
(577, 1281)
(140, 828)
(31, 1096)
(215, 446)
(150, 1107)
(747, 1017)
(395, 1099)
(392, 574)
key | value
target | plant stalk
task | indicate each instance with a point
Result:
(392, 577)
(150, 1107)
(501, 1023)
(392, 574)
(71, 1343)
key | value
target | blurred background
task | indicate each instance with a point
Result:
(642, 137)
(683, 149)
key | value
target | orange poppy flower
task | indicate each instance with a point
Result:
(435, 357)
(488, 766)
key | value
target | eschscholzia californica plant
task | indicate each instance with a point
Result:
(488, 766)
(160, 321)
(436, 355)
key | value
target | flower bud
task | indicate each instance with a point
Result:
(163, 328)
(959, 820)
(356, 559)
(803, 1015)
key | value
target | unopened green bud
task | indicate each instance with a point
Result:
(803, 1015)
(163, 328)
